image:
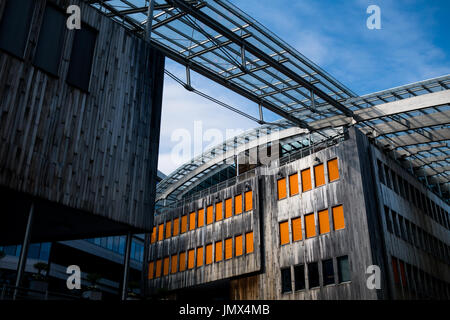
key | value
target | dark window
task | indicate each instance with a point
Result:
(299, 276)
(394, 181)
(408, 230)
(401, 185)
(380, 172)
(395, 223)
(313, 275)
(328, 272)
(33, 250)
(286, 284)
(81, 58)
(343, 269)
(386, 175)
(402, 227)
(51, 39)
(15, 26)
(388, 219)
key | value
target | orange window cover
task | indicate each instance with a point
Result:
(182, 261)
(174, 263)
(201, 218)
(281, 188)
(168, 229)
(166, 266)
(176, 226)
(310, 225)
(228, 208)
(184, 224)
(319, 175)
(192, 221)
(218, 251)
(199, 256)
(306, 180)
(293, 184)
(191, 259)
(333, 170)
(209, 253)
(284, 233)
(238, 204)
(228, 248)
(160, 232)
(248, 196)
(297, 229)
(219, 213)
(249, 242)
(209, 215)
(153, 236)
(324, 222)
(158, 268)
(338, 217)
(238, 246)
(151, 267)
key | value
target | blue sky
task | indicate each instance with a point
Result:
(412, 45)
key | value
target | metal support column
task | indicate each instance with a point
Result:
(24, 251)
(148, 30)
(126, 264)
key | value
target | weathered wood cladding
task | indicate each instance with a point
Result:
(209, 234)
(93, 151)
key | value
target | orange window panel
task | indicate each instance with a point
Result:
(182, 261)
(319, 175)
(296, 229)
(209, 215)
(158, 268)
(219, 211)
(306, 180)
(192, 221)
(201, 218)
(228, 248)
(333, 170)
(395, 270)
(209, 254)
(199, 256)
(238, 204)
(166, 266)
(184, 224)
(281, 184)
(310, 225)
(168, 229)
(293, 184)
(151, 267)
(239, 250)
(249, 242)
(324, 222)
(228, 208)
(174, 264)
(338, 217)
(218, 251)
(248, 196)
(161, 232)
(176, 226)
(284, 233)
(191, 259)
(153, 236)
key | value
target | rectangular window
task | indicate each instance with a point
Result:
(228, 208)
(191, 259)
(219, 211)
(248, 196)
(184, 224)
(338, 217)
(281, 185)
(15, 26)
(296, 229)
(158, 268)
(328, 272)
(176, 226)
(387, 176)
(201, 218)
(313, 275)
(403, 274)
(161, 232)
(199, 256)
(182, 261)
(306, 180)
(284, 233)
(209, 215)
(228, 248)
(286, 283)
(168, 229)
(238, 246)
(310, 226)
(249, 242)
(343, 269)
(174, 264)
(153, 235)
(293, 184)
(333, 170)
(192, 220)
(395, 223)
(380, 172)
(299, 277)
(319, 175)
(166, 266)
(388, 218)
(324, 222)
(209, 253)
(218, 251)
(51, 39)
(151, 267)
(238, 204)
